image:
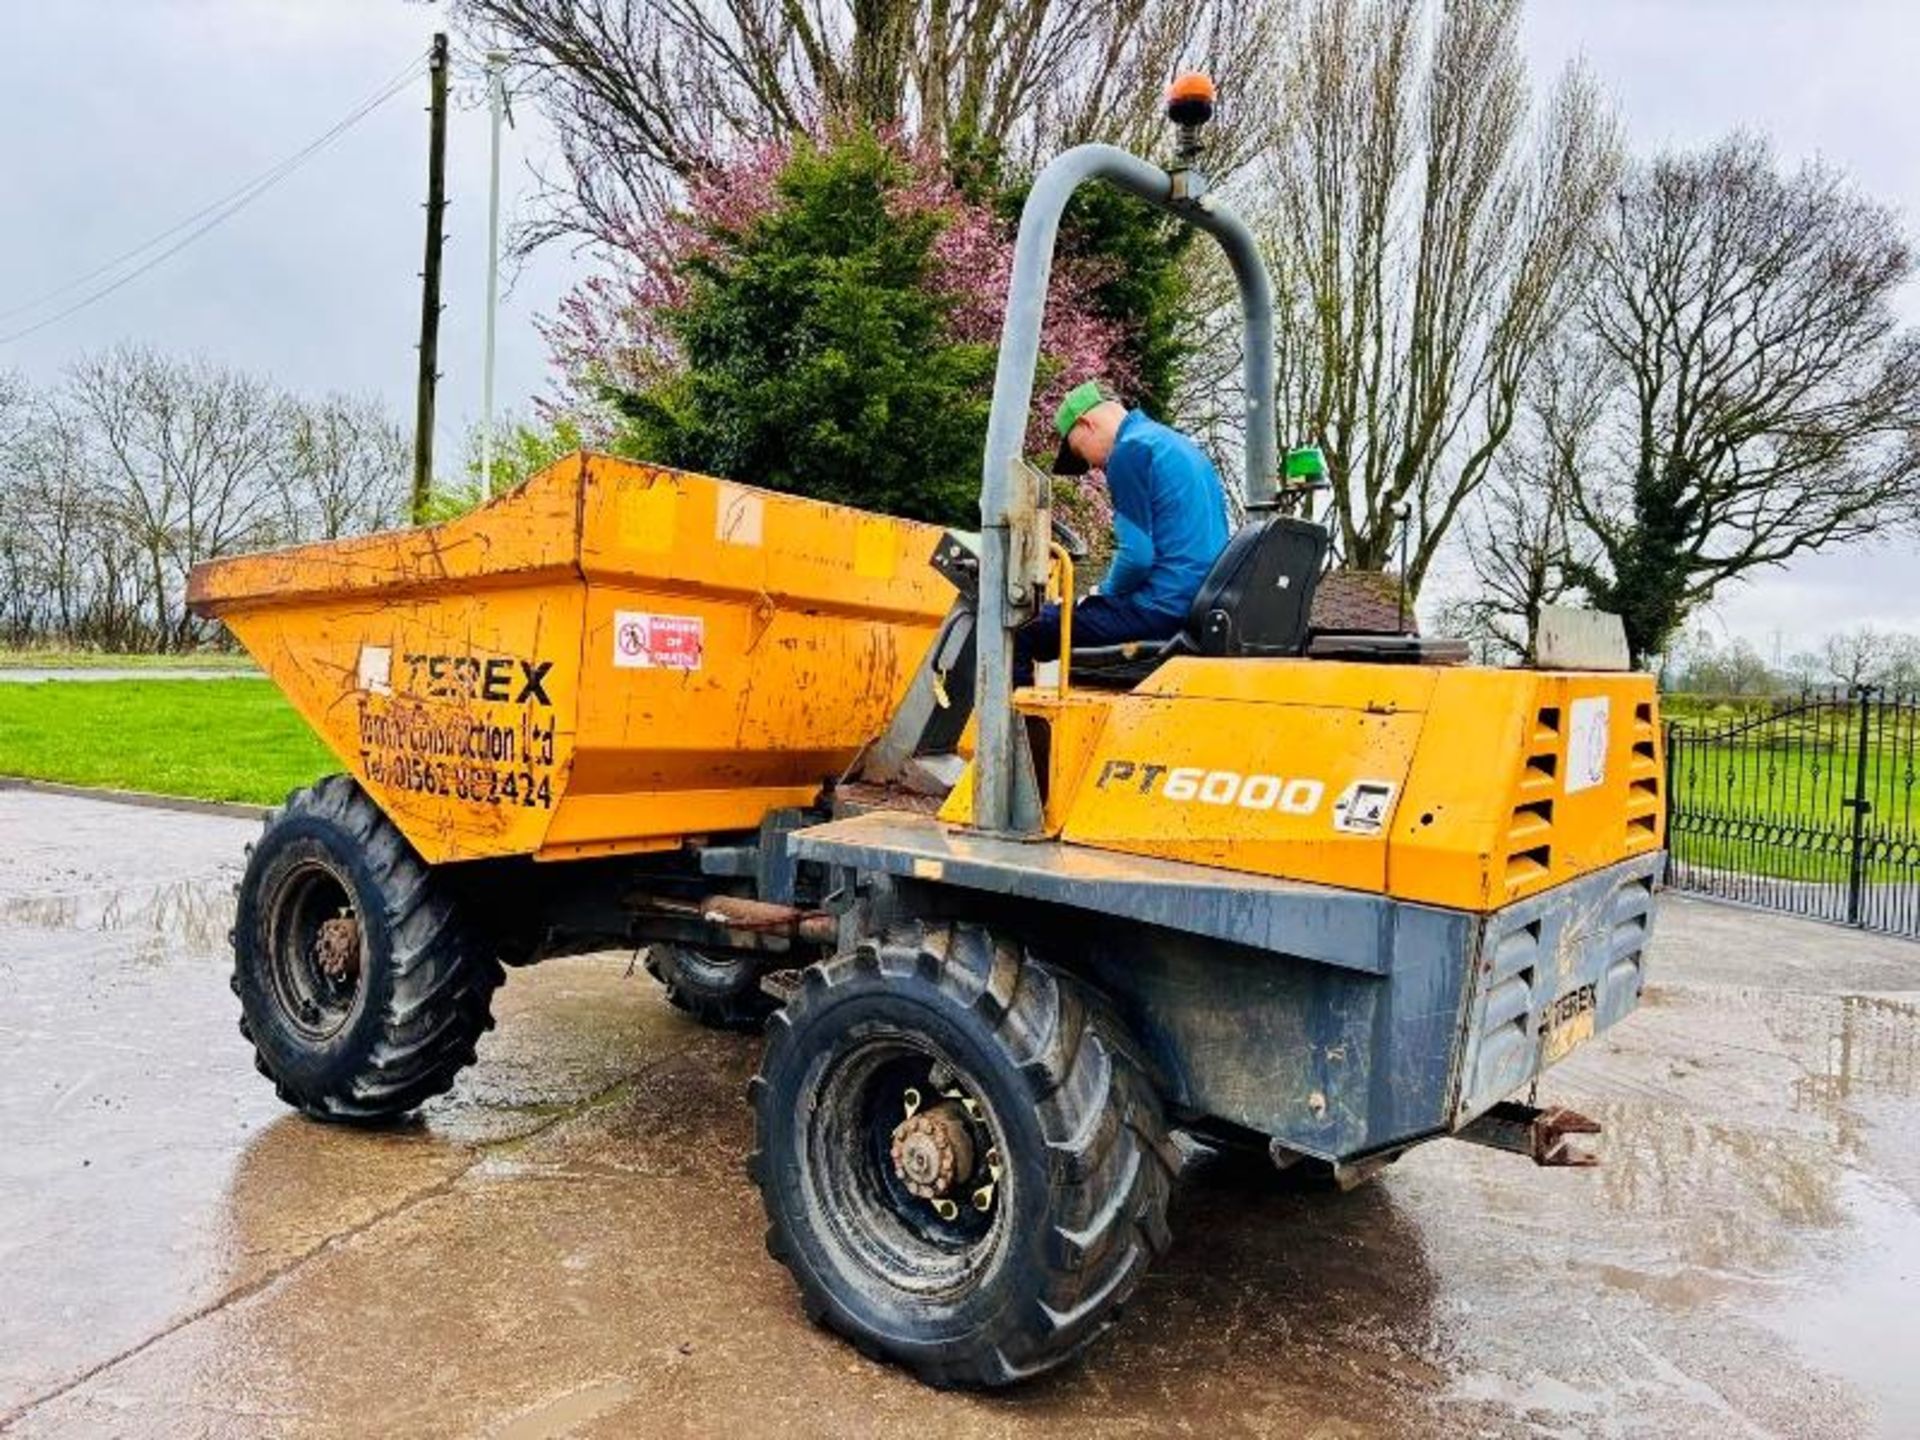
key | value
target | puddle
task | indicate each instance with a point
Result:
(561, 1415)
(1863, 1045)
(1531, 1394)
(165, 918)
(1857, 1318)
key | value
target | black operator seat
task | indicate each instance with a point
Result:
(1386, 648)
(1256, 600)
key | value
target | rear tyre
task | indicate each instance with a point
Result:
(719, 990)
(963, 1165)
(362, 989)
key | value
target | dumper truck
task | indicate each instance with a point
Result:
(1258, 890)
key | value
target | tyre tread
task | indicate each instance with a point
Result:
(742, 1010)
(443, 975)
(1106, 1135)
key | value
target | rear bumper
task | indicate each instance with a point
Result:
(1549, 972)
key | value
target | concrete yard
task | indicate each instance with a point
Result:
(567, 1244)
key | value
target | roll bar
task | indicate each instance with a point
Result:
(1001, 802)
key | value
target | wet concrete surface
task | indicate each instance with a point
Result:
(566, 1245)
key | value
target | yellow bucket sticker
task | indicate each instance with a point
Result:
(875, 553)
(647, 516)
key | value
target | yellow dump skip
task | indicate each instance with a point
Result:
(611, 658)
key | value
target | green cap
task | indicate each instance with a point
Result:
(1079, 401)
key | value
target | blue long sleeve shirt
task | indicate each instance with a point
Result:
(1169, 516)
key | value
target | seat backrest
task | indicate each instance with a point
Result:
(1258, 596)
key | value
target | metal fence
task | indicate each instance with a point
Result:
(1810, 805)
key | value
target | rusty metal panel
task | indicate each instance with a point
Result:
(455, 711)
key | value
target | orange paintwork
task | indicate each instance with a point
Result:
(638, 655)
(618, 658)
(1466, 787)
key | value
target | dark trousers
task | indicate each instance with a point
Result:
(1097, 620)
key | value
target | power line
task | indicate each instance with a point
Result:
(241, 193)
(206, 218)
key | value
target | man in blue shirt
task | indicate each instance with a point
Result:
(1169, 526)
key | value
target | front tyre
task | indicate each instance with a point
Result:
(962, 1164)
(362, 988)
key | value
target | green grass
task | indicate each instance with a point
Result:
(1793, 782)
(1778, 811)
(49, 658)
(206, 739)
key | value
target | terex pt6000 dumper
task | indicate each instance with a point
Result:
(1321, 897)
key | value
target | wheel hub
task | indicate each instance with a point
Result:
(336, 947)
(932, 1149)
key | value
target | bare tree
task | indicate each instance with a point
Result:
(346, 469)
(1766, 400)
(70, 568)
(643, 93)
(1516, 544)
(186, 452)
(16, 403)
(1862, 656)
(51, 525)
(114, 485)
(1805, 669)
(1523, 538)
(1901, 673)
(1700, 665)
(1424, 234)
(17, 575)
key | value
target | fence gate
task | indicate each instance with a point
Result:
(1808, 807)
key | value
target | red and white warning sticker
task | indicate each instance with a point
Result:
(657, 642)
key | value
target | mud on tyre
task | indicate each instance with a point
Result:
(901, 1082)
(362, 988)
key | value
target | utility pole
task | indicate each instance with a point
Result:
(496, 105)
(430, 279)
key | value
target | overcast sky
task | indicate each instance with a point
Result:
(121, 117)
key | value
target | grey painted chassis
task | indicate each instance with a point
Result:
(1339, 1023)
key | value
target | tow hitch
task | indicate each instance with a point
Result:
(1527, 1130)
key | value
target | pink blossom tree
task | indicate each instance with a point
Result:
(614, 333)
